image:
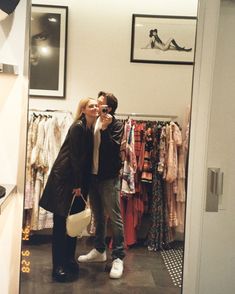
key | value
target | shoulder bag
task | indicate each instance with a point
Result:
(77, 223)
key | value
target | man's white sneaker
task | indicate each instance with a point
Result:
(93, 256)
(117, 269)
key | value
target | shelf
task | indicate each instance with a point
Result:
(9, 69)
(10, 190)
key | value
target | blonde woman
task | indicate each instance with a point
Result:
(70, 176)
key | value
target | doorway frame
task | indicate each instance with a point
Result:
(208, 23)
(208, 18)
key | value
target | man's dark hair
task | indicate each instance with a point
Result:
(112, 101)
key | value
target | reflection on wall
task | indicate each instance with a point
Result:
(99, 59)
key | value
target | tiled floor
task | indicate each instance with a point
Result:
(144, 273)
(173, 260)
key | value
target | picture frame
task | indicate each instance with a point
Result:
(48, 51)
(163, 39)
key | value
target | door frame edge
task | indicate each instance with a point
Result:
(207, 28)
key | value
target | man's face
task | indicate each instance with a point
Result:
(102, 100)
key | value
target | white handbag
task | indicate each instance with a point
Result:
(78, 222)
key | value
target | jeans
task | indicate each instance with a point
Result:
(105, 200)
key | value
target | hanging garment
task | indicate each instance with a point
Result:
(44, 141)
(130, 164)
(183, 153)
(139, 137)
(64, 125)
(30, 176)
(174, 139)
(146, 175)
(162, 153)
(37, 161)
(158, 236)
(183, 157)
(52, 143)
(171, 204)
(156, 182)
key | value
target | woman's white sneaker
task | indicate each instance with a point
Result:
(93, 256)
(117, 269)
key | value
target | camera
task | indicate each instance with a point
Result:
(105, 109)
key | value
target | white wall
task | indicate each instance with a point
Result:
(13, 118)
(217, 260)
(10, 244)
(99, 39)
(14, 92)
(206, 42)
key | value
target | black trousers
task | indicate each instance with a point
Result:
(63, 246)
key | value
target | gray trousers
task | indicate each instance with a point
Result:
(105, 200)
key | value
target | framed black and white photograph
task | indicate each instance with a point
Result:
(48, 51)
(163, 39)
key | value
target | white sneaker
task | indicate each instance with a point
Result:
(117, 269)
(93, 256)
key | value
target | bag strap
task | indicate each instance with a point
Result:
(73, 201)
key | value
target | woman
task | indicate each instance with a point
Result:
(70, 176)
(157, 43)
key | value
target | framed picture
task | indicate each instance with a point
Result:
(48, 51)
(163, 39)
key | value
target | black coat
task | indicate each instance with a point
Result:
(71, 169)
(109, 151)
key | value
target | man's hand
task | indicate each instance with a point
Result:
(106, 120)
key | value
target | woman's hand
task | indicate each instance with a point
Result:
(77, 192)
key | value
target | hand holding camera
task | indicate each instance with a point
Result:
(106, 118)
(104, 109)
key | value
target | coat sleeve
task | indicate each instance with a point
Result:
(112, 136)
(76, 152)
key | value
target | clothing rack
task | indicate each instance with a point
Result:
(50, 110)
(133, 114)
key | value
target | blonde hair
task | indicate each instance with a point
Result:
(81, 106)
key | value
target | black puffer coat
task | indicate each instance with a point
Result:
(71, 169)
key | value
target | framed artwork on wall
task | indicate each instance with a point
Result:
(48, 51)
(163, 39)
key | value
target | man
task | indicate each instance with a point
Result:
(105, 186)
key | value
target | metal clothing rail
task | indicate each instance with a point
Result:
(50, 110)
(133, 114)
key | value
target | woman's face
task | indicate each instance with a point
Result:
(91, 109)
